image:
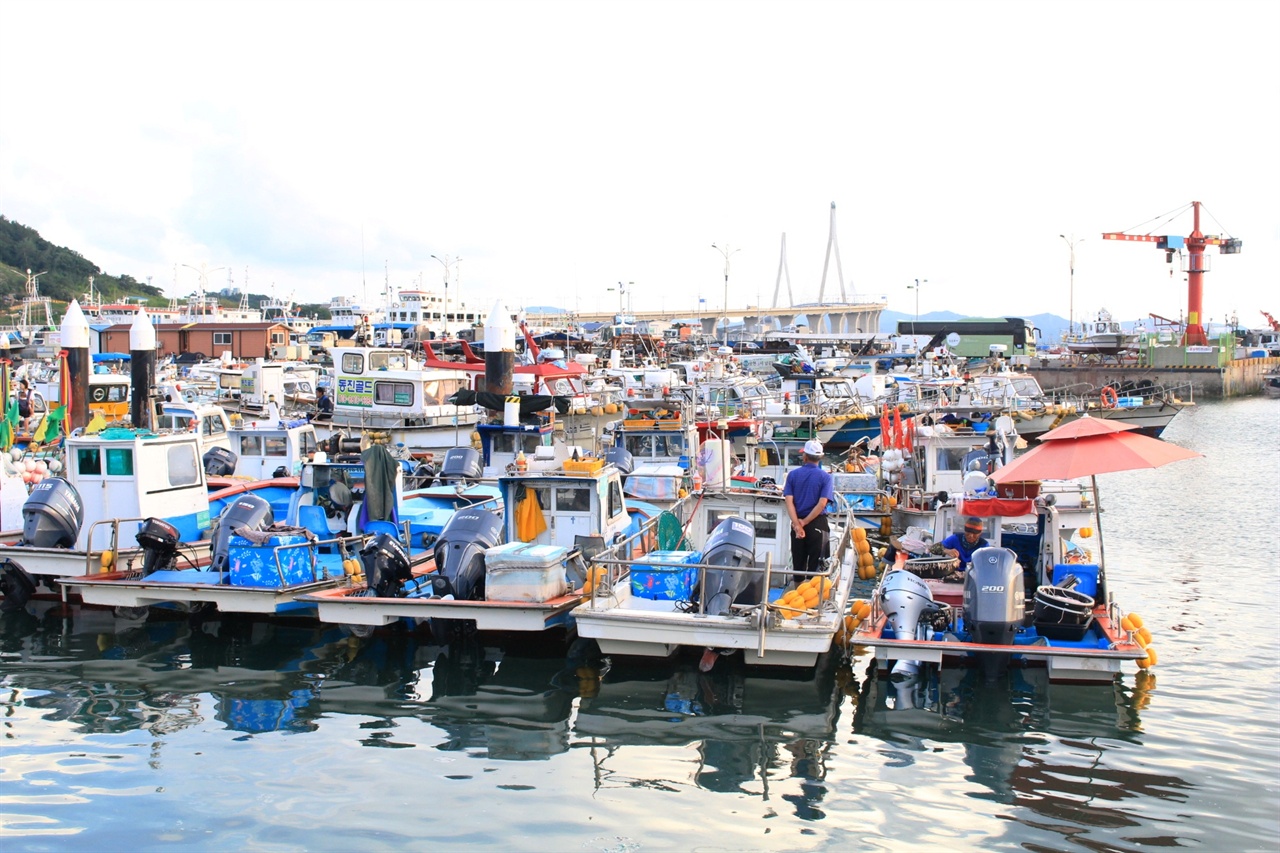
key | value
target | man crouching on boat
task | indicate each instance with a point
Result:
(962, 545)
(807, 491)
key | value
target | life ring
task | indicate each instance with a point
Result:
(1108, 397)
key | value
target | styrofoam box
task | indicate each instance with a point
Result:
(522, 572)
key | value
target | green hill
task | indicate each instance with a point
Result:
(66, 272)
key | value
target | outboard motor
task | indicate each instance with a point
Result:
(159, 541)
(248, 511)
(386, 565)
(620, 458)
(460, 553)
(219, 462)
(52, 515)
(731, 545)
(994, 602)
(16, 585)
(461, 465)
(905, 598)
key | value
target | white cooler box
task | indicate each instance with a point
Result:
(519, 571)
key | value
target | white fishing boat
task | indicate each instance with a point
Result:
(89, 521)
(518, 570)
(1102, 336)
(720, 594)
(342, 520)
(1037, 590)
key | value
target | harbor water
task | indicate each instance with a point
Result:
(127, 733)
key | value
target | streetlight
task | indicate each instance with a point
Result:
(448, 266)
(916, 288)
(1071, 294)
(728, 253)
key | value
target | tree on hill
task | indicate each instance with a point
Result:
(66, 272)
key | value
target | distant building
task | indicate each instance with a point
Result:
(245, 341)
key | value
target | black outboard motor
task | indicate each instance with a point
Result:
(460, 553)
(386, 565)
(731, 545)
(248, 511)
(219, 462)
(159, 541)
(461, 465)
(52, 515)
(620, 458)
(994, 603)
(16, 585)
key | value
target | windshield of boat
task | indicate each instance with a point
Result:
(388, 361)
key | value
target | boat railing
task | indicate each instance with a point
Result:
(112, 546)
(314, 545)
(619, 571)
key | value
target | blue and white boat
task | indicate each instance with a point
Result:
(518, 570)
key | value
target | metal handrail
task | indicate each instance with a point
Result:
(115, 540)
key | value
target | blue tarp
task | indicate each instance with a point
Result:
(110, 356)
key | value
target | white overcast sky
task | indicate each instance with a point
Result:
(560, 148)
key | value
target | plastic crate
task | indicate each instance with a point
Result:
(665, 575)
(255, 565)
(583, 467)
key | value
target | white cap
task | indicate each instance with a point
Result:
(142, 335)
(75, 328)
(813, 447)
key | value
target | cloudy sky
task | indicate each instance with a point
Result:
(559, 148)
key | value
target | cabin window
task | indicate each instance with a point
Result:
(765, 523)
(573, 500)
(119, 462)
(438, 391)
(393, 393)
(213, 425)
(307, 443)
(275, 445)
(250, 445)
(88, 461)
(951, 458)
(615, 498)
(183, 465)
(388, 361)
(277, 337)
(353, 362)
(222, 339)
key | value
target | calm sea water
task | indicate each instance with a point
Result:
(132, 735)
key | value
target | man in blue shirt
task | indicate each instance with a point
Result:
(807, 491)
(963, 545)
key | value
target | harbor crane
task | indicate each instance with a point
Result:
(1195, 264)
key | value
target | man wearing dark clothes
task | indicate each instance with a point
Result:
(808, 491)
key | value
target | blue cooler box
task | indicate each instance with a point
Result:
(255, 565)
(665, 575)
(1086, 572)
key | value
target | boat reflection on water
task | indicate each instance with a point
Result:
(1007, 729)
(747, 729)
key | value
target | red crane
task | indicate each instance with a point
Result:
(1195, 266)
(1274, 323)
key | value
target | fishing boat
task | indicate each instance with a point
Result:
(1039, 591)
(1101, 336)
(342, 519)
(518, 570)
(1271, 383)
(721, 591)
(88, 521)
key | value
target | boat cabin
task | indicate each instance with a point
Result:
(387, 388)
(132, 474)
(583, 503)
